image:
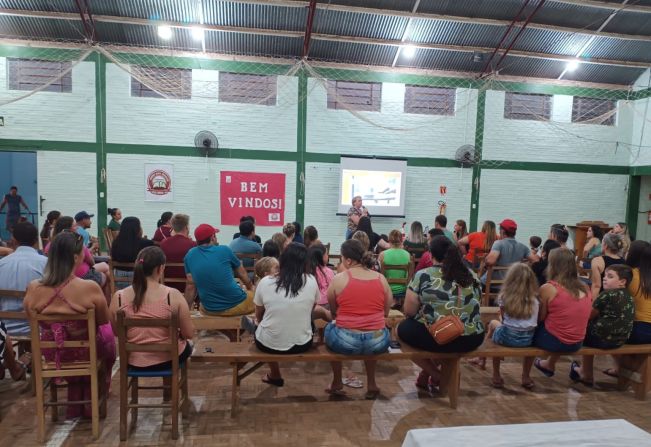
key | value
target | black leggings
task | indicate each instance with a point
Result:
(187, 352)
(416, 334)
(296, 349)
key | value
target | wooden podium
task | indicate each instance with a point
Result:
(581, 233)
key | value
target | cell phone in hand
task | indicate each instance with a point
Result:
(394, 344)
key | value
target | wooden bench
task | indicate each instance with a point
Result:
(636, 370)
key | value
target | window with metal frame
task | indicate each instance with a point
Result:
(361, 96)
(527, 106)
(594, 111)
(158, 82)
(30, 74)
(247, 88)
(429, 100)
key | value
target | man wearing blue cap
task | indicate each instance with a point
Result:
(83, 222)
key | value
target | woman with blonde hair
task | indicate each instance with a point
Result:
(281, 240)
(519, 310)
(416, 237)
(565, 307)
(621, 229)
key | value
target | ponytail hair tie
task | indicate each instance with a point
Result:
(141, 261)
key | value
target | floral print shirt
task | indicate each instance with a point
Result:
(616, 315)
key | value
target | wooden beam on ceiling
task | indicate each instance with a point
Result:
(319, 36)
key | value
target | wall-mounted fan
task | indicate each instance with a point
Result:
(465, 155)
(206, 143)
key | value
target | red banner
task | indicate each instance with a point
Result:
(256, 194)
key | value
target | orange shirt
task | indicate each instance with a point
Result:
(476, 241)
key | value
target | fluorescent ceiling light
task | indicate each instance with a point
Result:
(409, 51)
(197, 33)
(572, 65)
(165, 32)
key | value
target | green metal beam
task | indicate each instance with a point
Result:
(640, 170)
(190, 151)
(13, 144)
(633, 203)
(555, 167)
(476, 169)
(50, 54)
(100, 152)
(301, 146)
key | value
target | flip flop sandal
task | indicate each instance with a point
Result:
(610, 372)
(372, 394)
(335, 392)
(422, 381)
(353, 382)
(275, 382)
(576, 377)
(539, 367)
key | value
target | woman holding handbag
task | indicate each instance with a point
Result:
(442, 309)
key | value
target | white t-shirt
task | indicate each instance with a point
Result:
(287, 320)
(527, 324)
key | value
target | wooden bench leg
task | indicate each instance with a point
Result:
(635, 370)
(450, 379)
(235, 391)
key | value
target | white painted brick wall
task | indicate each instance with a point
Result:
(196, 189)
(339, 131)
(50, 115)
(67, 182)
(557, 141)
(322, 195)
(175, 122)
(536, 200)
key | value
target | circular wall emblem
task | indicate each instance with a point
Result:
(159, 182)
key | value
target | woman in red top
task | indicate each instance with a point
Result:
(360, 299)
(565, 306)
(479, 240)
(164, 229)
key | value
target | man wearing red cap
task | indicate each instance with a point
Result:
(210, 268)
(507, 250)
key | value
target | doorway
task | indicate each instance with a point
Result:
(19, 169)
(644, 216)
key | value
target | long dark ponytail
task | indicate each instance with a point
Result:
(147, 261)
(452, 266)
(164, 218)
(315, 260)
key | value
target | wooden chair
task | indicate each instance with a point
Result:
(416, 252)
(124, 266)
(168, 280)
(406, 268)
(478, 260)
(45, 371)
(334, 261)
(109, 237)
(327, 247)
(23, 341)
(178, 373)
(249, 269)
(491, 282)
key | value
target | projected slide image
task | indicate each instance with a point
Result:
(380, 188)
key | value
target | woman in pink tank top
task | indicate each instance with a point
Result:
(565, 306)
(360, 300)
(148, 298)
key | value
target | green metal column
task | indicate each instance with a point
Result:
(100, 142)
(633, 203)
(476, 169)
(301, 146)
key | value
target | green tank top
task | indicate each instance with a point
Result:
(396, 256)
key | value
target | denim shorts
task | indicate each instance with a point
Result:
(543, 339)
(506, 336)
(347, 342)
(641, 333)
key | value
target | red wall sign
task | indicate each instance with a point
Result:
(256, 194)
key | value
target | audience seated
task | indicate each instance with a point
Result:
(434, 292)
(88, 269)
(611, 247)
(479, 241)
(416, 239)
(83, 222)
(61, 292)
(317, 265)
(310, 236)
(441, 222)
(519, 311)
(289, 231)
(460, 229)
(19, 269)
(210, 268)
(426, 260)
(148, 298)
(271, 249)
(396, 255)
(540, 267)
(375, 241)
(592, 247)
(48, 226)
(621, 229)
(611, 320)
(283, 307)
(175, 248)
(507, 250)
(114, 222)
(164, 228)
(267, 265)
(245, 243)
(252, 219)
(559, 233)
(360, 300)
(17, 368)
(298, 236)
(535, 243)
(126, 247)
(281, 241)
(565, 307)
(639, 258)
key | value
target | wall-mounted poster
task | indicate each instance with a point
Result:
(257, 194)
(159, 179)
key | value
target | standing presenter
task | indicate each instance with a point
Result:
(356, 212)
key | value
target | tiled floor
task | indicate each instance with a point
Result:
(302, 414)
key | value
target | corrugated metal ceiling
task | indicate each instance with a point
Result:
(353, 25)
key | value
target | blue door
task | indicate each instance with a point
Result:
(19, 169)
